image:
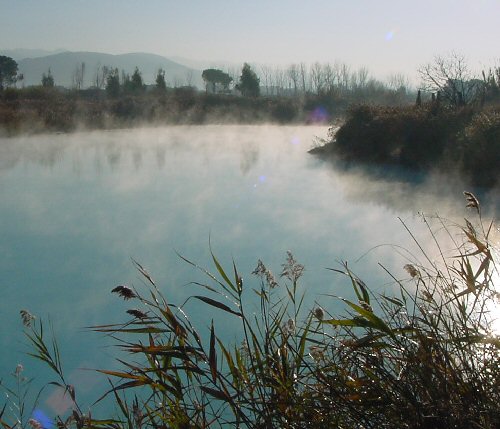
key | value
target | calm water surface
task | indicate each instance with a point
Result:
(76, 208)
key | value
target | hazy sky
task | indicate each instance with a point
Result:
(387, 36)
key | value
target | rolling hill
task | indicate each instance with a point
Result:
(64, 64)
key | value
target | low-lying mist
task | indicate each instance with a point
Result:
(77, 207)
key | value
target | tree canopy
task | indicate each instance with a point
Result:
(451, 77)
(48, 80)
(133, 84)
(8, 71)
(213, 77)
(161, 86)
(137, 84)
(249, 84)
(113, 83)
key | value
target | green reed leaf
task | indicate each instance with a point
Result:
(212, 354)
(217, 304)
(223, 273)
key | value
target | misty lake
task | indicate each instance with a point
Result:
(77, 207)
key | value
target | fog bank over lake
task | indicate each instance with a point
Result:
(77, 207)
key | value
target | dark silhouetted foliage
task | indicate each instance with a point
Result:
(212, 77)
(160, 84)
(48, 80)
(113, 83)
(285, 111)
(8, 71)
(249, 82)
(136, 83)
(460, 140)
(479, 149)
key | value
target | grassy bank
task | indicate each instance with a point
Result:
(39, 109)
(424, 356)
(464, 141)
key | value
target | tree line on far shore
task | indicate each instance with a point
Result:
(117, 98)
(298, 93)
(295, 80)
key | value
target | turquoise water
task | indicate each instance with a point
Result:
(76, 208)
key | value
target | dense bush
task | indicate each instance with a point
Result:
(479, 148)
(422, 138)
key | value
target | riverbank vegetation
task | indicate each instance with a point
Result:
(38, 109)
(298, 94)
(425, 353)
(456, 131)
(463, 141)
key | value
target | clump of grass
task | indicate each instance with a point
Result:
(425, 356)
(17, 412)
(16, 396)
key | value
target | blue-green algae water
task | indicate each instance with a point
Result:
(76, 208)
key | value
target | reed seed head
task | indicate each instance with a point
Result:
(292, 270)
(137, 313)
(266, 274)
(317, 353)
(124, 291)
(366, 306)
(27, 318)
(35, 424)
(289, 327)
(412, 271)
(472, 201)
(319, 313)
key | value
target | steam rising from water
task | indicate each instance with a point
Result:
(77, 207)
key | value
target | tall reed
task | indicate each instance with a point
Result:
(426, 356)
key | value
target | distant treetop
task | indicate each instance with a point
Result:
(249, 84)
(212, 77)
(8, 71)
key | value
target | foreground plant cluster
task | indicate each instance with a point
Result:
(426, 356)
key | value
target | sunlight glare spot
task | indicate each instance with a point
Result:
(389, 36)
(493, 305)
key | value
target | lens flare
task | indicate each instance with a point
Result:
(41, 417)
(319, 115)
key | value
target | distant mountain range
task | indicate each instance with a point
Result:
(34, 63)
(21, 54)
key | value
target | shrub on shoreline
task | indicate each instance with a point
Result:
(479, 148)
(422, 138)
